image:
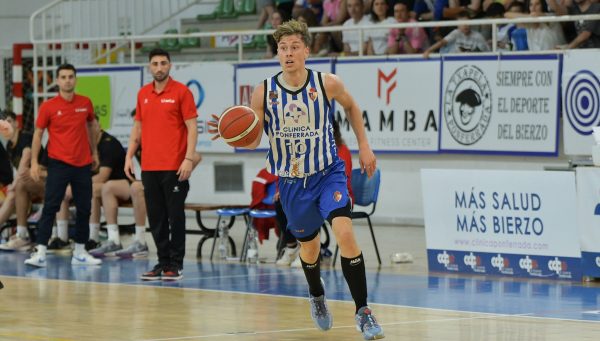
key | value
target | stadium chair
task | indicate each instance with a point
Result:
(366, 192)
(249, 6)
(251, 232)
(190, 42)
(227, 10)
(260, 41)
(213, 15)
(170, 44)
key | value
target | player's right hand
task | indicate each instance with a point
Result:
(35, 171)
(129, 169)
(213, 127)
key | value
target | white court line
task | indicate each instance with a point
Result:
(339, 327)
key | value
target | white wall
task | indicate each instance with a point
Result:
(400, 198)
(14, 20)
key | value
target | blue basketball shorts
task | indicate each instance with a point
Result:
(307, 202)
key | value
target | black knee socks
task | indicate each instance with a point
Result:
(313, 277)
(354, 272)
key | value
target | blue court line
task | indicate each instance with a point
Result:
(490, 295)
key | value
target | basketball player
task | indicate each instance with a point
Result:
(165, 108)
(294, 109)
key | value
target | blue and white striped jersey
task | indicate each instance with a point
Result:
(298, 124)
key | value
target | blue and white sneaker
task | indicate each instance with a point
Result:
(135, 250)
(106, 249)
(367, 324)
(36, 260)
(319, 312)
(85, 258)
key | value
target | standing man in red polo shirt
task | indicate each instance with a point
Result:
(72, 154)
(165, 124)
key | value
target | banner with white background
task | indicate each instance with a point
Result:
(500, 104)
(398, 99)
(588, 213)
(114, 109)
(501, 222)
(581, 99)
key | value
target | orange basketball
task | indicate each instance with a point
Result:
(238, 126)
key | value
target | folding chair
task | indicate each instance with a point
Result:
(251, 233)
(366, 192)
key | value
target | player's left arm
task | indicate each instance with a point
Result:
(185, 170)
(337, 91)
(93, 140)
(190, 118)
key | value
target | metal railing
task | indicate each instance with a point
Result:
(82, 48)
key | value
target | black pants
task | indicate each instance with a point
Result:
(60, 175)
(165, 201)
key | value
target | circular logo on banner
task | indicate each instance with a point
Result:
(467, 104)
(196, 89)
(582, 101)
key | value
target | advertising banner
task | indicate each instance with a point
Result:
(398, 100)
(113, 92)
(500, 104)
(588, 213)
(502, 222)
(581, 100)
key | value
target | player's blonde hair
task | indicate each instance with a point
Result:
(292, 27)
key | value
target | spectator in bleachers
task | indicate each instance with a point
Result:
(285, 7)
(503, 42)
(350, 37)
(518, 36)
(540, 36)
(406, 40)
(314, 5)
(423, 10)
(308, 17)
(377, 39)
(276, 20)
(266, 8)
(588, 32)
(462, 39)
(451, 9)
(335, 13)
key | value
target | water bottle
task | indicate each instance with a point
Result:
(252, 255)
(223, 239)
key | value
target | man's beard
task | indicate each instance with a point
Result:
(159, 78)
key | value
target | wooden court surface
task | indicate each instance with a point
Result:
(233, 301)
(39, 309)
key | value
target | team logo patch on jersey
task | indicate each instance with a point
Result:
(145, 101)
(337, 196)
(297, 112)
(59, 113)
(273, 96)
(312, 93)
